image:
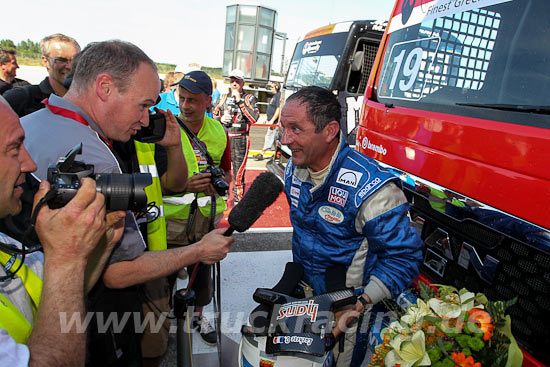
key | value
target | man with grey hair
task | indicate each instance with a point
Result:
(348, 214)
(58, 51)
(8, 70)
(112, 89)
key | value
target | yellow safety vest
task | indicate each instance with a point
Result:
(213, 135)
(156, 230)
(11, 319)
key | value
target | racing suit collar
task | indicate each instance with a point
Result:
(302, 173)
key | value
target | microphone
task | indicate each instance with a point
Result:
(262, 193)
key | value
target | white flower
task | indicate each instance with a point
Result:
(416, 313)
(453, 305)
(408, 351)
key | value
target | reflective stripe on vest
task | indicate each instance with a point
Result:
(151, 168)
(213, 135)
(156, 230)
(12, 320)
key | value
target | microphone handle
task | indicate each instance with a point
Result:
(229, 231)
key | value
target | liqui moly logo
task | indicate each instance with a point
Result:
(296, 309)
(366, 144)
(338, 196)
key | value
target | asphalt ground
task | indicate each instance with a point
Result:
(256, 259)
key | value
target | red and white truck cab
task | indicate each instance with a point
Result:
(458, 106)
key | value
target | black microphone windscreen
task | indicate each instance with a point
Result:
(262, 193)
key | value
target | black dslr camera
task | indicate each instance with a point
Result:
(155, 131)
(122, 191)
(217, 179)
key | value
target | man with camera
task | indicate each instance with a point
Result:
(192, 214)
(112, 89)
(39, 290)
(237, 111)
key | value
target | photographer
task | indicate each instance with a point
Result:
(189, 222)
(37, 289)
(113, 87)
(237, 111)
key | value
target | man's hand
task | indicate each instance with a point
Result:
(172, 136)
(214, 246)
(346, 315)
(200, 182)
(236, 94)
(226, 119)
(72, 232)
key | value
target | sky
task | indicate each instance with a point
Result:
(173, 31)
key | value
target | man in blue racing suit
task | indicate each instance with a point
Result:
(346, 211)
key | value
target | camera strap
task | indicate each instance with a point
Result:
(73, 115)
(196, 141)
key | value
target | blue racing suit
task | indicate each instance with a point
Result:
(356, 217)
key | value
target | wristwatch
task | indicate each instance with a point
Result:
(364, 302)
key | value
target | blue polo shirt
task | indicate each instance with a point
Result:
(168, 102)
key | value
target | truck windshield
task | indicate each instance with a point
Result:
(315, 61)
(456, 62)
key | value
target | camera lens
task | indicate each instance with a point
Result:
(221, 186)
(124, 191)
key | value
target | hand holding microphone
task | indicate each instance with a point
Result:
(262, 193)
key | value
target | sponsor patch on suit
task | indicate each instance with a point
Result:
(348, 177)
(338, 196)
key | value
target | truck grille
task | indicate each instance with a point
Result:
(522, 271)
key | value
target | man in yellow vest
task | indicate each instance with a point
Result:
(112, 89)
(191, 215)
(40, 290)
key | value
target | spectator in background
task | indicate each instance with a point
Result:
(273, 110)
(8, 70)
(215, 96)
(169, 99)
(237, 111)
(215, 92)
(188, 223)
(57, 51)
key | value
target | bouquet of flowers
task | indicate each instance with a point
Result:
(450, 328)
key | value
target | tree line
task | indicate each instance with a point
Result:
(24, 47)
(28, 53)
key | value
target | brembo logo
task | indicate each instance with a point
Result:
(366, 144)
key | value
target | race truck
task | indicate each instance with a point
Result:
(457, 106)
(338, 57)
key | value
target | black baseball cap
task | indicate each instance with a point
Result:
(196, 81)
